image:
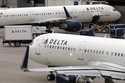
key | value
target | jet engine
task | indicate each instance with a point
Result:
(71, 26)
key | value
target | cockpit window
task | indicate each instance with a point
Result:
(32, 42)
(114, 9)
(35, 40)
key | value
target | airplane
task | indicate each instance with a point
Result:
(75, 55)
(66, 17)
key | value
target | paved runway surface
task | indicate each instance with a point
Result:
(10, 72)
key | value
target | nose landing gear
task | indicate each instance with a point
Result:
(51, 76)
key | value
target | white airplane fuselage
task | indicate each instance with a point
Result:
(73, 50)
(82, 13)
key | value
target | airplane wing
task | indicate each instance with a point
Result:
(89, 71)
(52, 20)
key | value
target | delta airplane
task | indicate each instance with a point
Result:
(86, 56)
(67, 17)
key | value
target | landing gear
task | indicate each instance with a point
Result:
(83, 79)
(95, 19)
(108, 80)
(49, 27)
(51, 76)
(49, 31)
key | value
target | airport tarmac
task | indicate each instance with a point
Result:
(10, 62)
(10, 72)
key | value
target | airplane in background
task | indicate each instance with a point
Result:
(86, 56)
(67, 17)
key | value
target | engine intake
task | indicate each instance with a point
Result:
(71, 26)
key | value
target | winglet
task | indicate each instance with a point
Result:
(25, 60)
(67, 13)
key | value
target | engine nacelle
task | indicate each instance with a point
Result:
(71, 26)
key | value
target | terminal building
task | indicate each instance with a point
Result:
(119, 4)
(28, 3)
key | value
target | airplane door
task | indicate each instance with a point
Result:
(96, 13)
(82, 57)
(40, 55)
(86, 15)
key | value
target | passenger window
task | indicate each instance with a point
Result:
(124, 55)
(88, 50)
(57, 47)
(96, 51)
(118, 54)
(107, 53)
(102, 52)
(93, 51)
(68, 49)
(121, 54)
(85, 50)
(112, 54)
(115, 54)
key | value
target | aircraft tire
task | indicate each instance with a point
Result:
(50, 77)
